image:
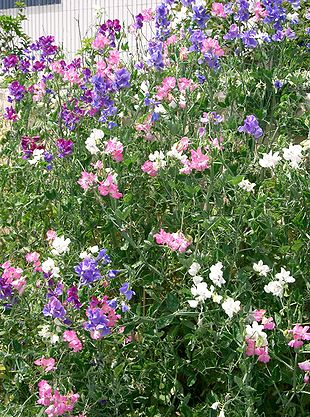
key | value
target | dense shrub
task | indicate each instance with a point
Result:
(154, 218)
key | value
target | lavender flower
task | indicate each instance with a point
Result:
(200, 16)
(126, 291)
(251, 127)
(122, 78)
(232, 34)
(54, 308)
(88, 271)
(97, 323)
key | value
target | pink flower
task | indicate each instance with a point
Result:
(115, 149)
(87, 180)
(183, 53)
(114, 57)
(72, 76)
(176, 241)
(218, 10)
(259, 10)
(57, 67)
(45, 393)
(19, 285)
(74, 342)
(172, 40)
(98, 165)
(47, 364)
(212, 45)
(32, 257)
(147, 15)
(51, 235)
(100, 41)
(300, 333)
(149, 168)
(109, 187)
(199, 161)
(304, 366)
(263, 354)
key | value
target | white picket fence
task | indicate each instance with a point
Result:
(73, 19)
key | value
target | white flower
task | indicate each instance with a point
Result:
(193, 303)
(94, 249)
(92, 141)
(230, 306)
(255, 332)
(45, 333)
(284, 276)
(194, 269)
(49, 266)
(38, 155)
(222, 414)
(246, 185)
(60, 245)
(293, 154)
(197, 279)
(201, 292)
(158, 158)
(275, 287)
(215, 405)
(269, 160)
(261, 269)
(174, 153)
(216, 274)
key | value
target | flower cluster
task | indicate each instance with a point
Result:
(57, 404)
(255, 338)
(175, 241)
(278, 286)
(202, 292)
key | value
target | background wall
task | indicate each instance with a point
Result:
(72, 19)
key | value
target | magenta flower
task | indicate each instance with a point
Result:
(109, 187)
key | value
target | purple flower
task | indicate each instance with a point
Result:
(156, 55)
(278, 84)
(97, 322)
(6, 289)
(10, 61)
(251, 127)
(248, 38)
(113, 273)
(124, 307)
(122, 78)
(242, 14)
(10, 114)
(103, 257)
(38, 66)
(65, 147)
(161, 22)
(17, 90)
(56, 292)
(88, 271)
(126, 291)
(54, 308)
(200, 16)
(232, 34)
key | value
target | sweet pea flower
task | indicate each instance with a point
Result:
(218, 10)
(261, 269)
(269, 160)
(60, 245)
(231, 307)
(75, 344)
(47, 364)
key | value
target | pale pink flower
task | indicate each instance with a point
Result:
(98, 165)
(149, 168)
(47, 364)
(212, 45)
(72, 76)
(57, 67)
(148, 15)
(172, 40)
(70, 336)
(176, 241)
(19, 285)
(218, 10)
(259, 10)
(183, 53)
(32, 257)
(114, 57)
(300, 334)
(304, 366)
(100, 41)
(87, 180)
(115, 149)
(51, 235)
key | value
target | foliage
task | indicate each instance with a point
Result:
(166, 163)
